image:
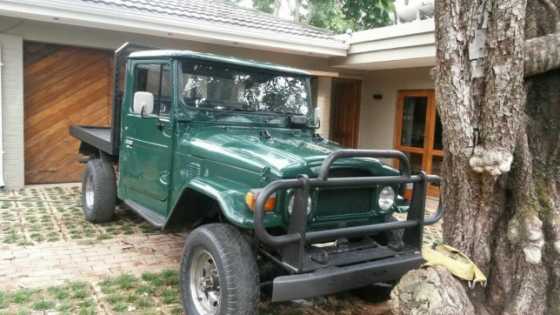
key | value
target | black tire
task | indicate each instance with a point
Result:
(100, 176)
(236, 266)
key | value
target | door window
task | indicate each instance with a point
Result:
(419, 132)
(156, 79)
(414, 121)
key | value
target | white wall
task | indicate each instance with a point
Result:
(377, 117)
(12, 101)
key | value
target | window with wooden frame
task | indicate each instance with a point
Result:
(418, 132)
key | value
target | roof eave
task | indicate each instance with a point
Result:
(70, 12)
(396, 46)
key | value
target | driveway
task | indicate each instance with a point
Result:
(46, 241)
(47, 246)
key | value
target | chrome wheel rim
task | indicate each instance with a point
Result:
(89, 193)
(205, 283)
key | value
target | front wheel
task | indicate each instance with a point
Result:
(219, 274)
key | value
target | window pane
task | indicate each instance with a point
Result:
(438, 144)
(416, 164)
(147, 79)
(414, 121)
(222, 87)
(156, 79)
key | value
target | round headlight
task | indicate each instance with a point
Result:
(292, 201)
(386, 198)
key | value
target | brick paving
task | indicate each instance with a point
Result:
(44, 241)
(54, 263)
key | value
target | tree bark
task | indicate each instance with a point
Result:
(542, 54)
(501, 194)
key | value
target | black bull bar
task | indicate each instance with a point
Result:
(307, 279)
(296, 231)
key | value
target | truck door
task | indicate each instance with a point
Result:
(146, 150)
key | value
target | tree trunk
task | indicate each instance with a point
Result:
(502, 153)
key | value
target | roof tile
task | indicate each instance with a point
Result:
(219, 11)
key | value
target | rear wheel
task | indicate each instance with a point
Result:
(219, 273)
(99, 191)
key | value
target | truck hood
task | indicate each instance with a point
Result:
(285, 152)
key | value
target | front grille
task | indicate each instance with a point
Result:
(332, 202)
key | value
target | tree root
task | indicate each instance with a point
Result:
(431, 290)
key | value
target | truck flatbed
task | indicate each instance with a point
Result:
(98, 137)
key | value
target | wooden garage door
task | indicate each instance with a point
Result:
(63, 86)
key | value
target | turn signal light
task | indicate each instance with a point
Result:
(251, 201)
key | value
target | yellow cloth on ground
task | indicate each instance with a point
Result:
(453, 260)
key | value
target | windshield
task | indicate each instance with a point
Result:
(220, 87)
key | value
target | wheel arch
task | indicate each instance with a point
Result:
(88, 150)
(195, 207)
(228, 199)
(92, 152)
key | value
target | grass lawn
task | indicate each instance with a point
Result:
(126, 294)
(152, 293)
(72, 298)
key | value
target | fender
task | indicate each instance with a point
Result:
(228, 195)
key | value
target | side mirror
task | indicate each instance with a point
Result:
(143, 103)
(317, 117)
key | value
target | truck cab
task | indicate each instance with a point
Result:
(228, 148)
(202, 124)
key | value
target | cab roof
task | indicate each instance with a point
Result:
(178, 54)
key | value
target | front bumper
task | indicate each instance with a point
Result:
(318, 272)
(336, 279)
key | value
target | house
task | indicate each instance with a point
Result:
(374, 87)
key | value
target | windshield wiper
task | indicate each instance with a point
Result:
(202, 103)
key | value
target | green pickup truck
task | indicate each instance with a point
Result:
(228, 148)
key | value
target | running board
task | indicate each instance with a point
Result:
(154, 218)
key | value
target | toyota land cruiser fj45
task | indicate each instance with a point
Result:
(228, 148)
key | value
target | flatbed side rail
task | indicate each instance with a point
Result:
(296, 232)
(98, 137)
